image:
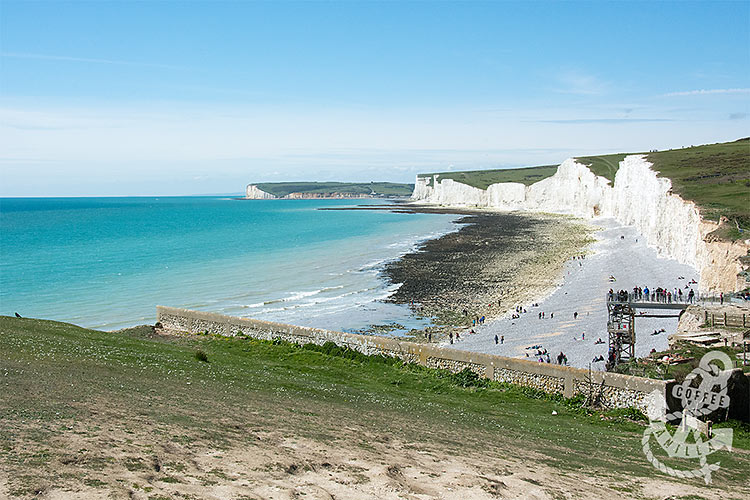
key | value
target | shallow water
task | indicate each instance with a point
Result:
(107, 262)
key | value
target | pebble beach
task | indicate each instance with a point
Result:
(618, 252)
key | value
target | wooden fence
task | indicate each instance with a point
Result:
(728, 320)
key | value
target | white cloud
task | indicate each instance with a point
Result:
(708, 92)
(47, 57)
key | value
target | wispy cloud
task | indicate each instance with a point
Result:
(574, 82)
(90, 60)
(605, 120)
(708, 92)
(737, 116)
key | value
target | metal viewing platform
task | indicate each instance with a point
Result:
(621, 325)
(652, 305)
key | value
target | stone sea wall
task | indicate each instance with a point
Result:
(639, 197)
(615, 390)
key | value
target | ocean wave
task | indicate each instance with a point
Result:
(375, 265)
(253, 306)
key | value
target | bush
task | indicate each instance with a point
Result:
(630, 413)
(469, 378)
(200, 355)
(331, 349)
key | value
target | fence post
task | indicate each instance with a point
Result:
(725, 319)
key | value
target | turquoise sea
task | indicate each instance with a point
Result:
(106, 263)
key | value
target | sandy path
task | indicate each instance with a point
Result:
(279, 466)
(584, 290)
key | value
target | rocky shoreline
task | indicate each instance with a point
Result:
(494, 262)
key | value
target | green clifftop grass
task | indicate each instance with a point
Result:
(714, 176)
(281, 189)
(483, 178)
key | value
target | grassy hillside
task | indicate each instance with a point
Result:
(604, 165)
(281, 189)
(483, 178)
(715, 176)
(134, 414)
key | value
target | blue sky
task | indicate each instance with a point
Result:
(154, 97)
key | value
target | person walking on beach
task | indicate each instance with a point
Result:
(502, 339)
(575, 315)
(429, 337)
(496, 339)
(450, 336)
(552, 315)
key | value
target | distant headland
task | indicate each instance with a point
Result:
(314, 190)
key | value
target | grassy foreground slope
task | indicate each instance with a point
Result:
(281, 189)
(133, 414)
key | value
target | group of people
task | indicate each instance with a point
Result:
(542, 355)
(519, 310)
(659, 294)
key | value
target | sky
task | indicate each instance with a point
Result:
(170, 98)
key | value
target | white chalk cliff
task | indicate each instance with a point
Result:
(639, 198)
(253, 193)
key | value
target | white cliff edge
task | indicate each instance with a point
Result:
(639, 198)
(253, 193)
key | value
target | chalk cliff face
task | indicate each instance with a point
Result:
(253, 193)
(638, 198)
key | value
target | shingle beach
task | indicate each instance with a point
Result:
(619, 252)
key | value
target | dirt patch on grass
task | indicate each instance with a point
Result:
(118, 455)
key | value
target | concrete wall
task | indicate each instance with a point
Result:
(617, 391)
